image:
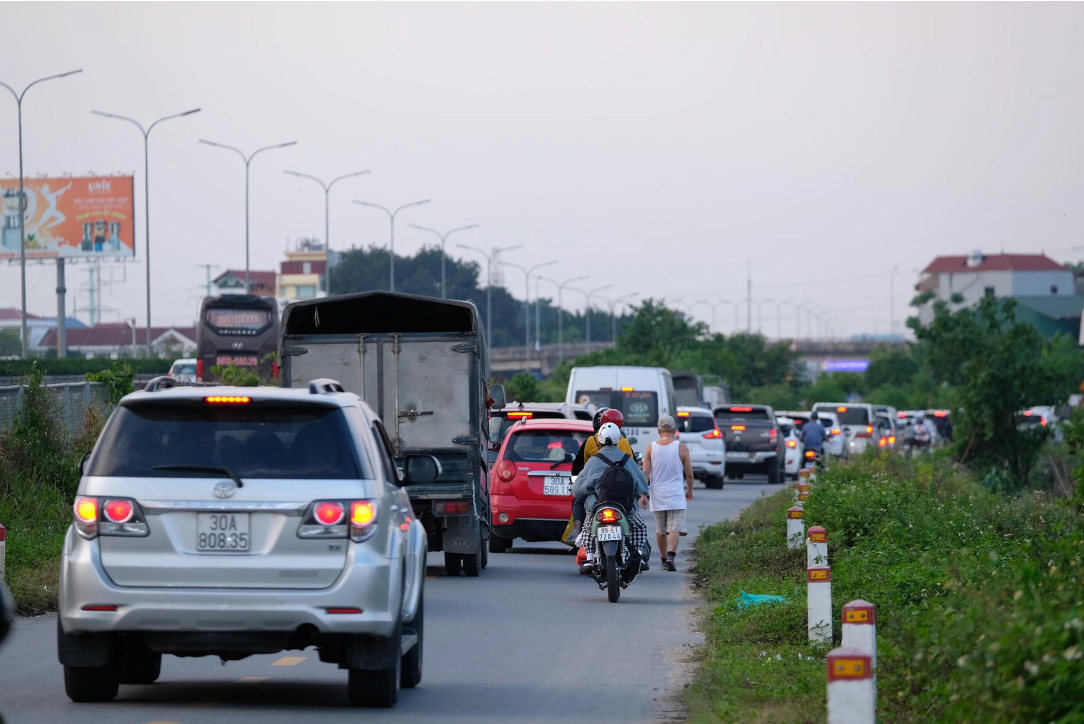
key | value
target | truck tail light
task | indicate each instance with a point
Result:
(199, 370)
(457, 507)
(737, 428)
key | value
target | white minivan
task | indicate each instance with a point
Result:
(642, 394)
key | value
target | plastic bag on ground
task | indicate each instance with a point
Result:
(745, 600)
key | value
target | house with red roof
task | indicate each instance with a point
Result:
(115, 340)
(232, 281)
(1028, 278)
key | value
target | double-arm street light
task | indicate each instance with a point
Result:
(443, 256)
(248, 161)
(527, 272)
(715, 306)
(391, 238)
(146, 200)
(587, 310)
(561, 311)
(613, 316)
(797, 317)
(489, 281)
(22, 214)
(327, 215)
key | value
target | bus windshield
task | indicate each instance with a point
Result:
(239, 330)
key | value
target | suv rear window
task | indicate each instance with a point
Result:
(537, 446)
(695, 423)
(847, 415)
(739, 412)
(497, 433)
(640, 408)
(258, 441)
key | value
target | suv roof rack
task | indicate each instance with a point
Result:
(325, 386)
(162, 382)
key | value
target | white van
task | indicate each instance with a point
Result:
(642, 394)
(859, 421)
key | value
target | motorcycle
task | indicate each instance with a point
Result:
(618, 561)
(814, 458)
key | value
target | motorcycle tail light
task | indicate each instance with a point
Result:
(792, 444)
(810, 454)
(608, 515)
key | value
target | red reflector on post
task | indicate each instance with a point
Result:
(859, 612)
(817, 534)
(849, 664)
(343, 609)
(795, 513)
(3, 534)
(819, 575)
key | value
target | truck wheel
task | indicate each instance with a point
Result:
(773, 473)
(472, 564)
(453, 564)
(377, 688)
(499, 544)
(91, 683)
(485, 555)
(139, 665)
(411, 666)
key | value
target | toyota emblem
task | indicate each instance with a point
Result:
(224, 490)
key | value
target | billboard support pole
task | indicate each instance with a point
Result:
(61, 316)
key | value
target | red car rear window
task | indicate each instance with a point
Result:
(539, 446)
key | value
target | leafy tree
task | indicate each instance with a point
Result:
(118, 378)
(523, 387)
(998, 367)
(893, 367)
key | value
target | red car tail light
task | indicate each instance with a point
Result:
(362, 519)
(506, 470)
(343, 610)
(228, 400)
(868, 432)
(741, 409)
(836, 431)
(773, 435)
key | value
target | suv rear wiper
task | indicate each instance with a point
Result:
(202, 469)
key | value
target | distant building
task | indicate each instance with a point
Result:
(1044, 290)
(232, 281)
(11, 323)
(303, 275)
(116, 340)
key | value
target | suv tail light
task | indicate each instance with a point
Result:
(773, 435)
(713, 434)
(836, 431)
(868, 432)
(737, 428)
(327, 519)
(108, 516)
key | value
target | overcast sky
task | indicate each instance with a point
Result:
(660, 148)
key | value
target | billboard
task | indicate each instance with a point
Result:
(70, 217)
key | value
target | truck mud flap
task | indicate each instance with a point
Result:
(463, 536)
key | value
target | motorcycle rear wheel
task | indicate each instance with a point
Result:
(613, 585)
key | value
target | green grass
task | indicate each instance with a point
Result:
(978, 601)
(36, 518)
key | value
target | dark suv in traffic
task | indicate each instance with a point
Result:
(753, 442)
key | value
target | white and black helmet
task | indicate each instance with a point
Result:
(609, 434)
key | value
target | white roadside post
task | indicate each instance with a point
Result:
(860, 628)
(816, 547)
(819, 603)
(795, 527)
(3, 549)
(801, 491)
(852, 695)
(808, 474)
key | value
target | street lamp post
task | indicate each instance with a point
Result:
(391, 238)
(146, 197)
(327, 215)
(613, 317)
(443, 240)
(248, 162)
(489, 281)
(561, 312)
(587, 311)
(779, 318)
(24, 335)
(527, 272)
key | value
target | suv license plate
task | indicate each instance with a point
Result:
(222, 533)
(556, 485)
(609, 532)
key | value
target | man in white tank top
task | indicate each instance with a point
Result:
(669, 471)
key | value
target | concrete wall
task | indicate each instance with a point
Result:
(1037, 284)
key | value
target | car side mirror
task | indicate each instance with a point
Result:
(421, 469)
(639, 457)
(570, 457)
(496, 393)
(83, 464)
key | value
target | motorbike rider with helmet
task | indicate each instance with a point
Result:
(813, 434)
(588, 450)
(609, 454)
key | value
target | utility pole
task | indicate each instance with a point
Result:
(92, 271)
(749, 298)
(208, 267)
(892, 302)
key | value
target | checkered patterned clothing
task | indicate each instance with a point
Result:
(637, 534)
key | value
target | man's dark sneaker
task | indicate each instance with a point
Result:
(669, 565)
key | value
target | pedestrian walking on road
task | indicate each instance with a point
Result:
(669, 471)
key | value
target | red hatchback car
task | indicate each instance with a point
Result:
(530, 488)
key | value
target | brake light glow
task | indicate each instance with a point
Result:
(792, 444)
(228, 400)
(737, 428)
(837, 431)
(901, 415)
(118, 511)
(329, 513)
(868, 432)
(940, 413)
(713, 434)
(506, 469)
(554, 446)
(810, 454)
(86, 509)
(841, 409)
(1027, 413)
(741, 409)
(773, 435)
(362, 513)
(883, 442)
(459, 507)
(683, 414)
(520, 415)
(608, 515)
(628, 389)
(891, 439)
(1043, 422)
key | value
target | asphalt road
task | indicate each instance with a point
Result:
(529, 641)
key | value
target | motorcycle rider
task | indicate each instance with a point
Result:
(588, 450)
(609, 453)
(813, 433)
(920, 432)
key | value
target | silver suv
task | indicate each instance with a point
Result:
(230, 521)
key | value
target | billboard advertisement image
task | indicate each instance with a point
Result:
(70, 217)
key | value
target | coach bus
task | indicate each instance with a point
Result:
(237, 329)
